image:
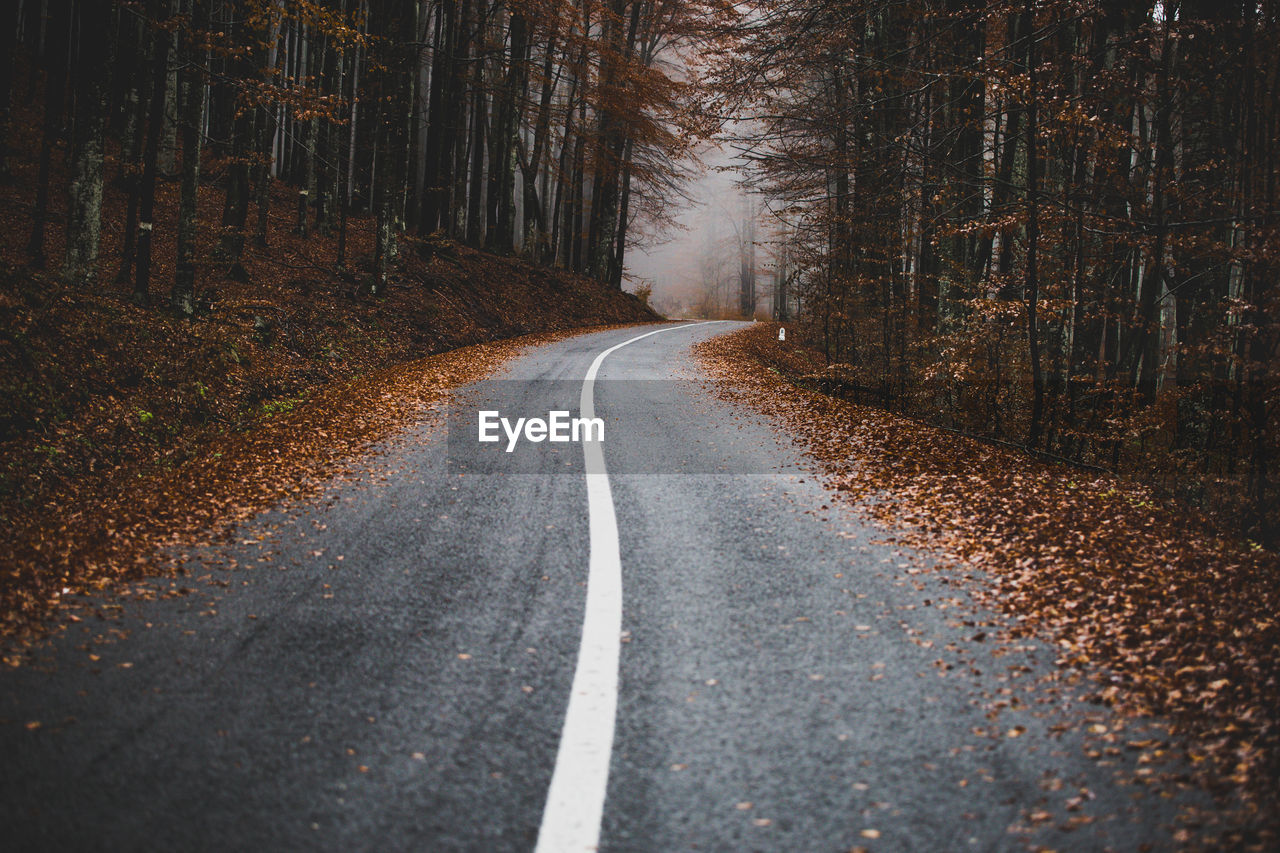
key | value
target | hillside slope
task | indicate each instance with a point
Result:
(97, 394)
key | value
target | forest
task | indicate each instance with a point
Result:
(216, 212)
(1051, 224)
(1026, 254)
(1048, 223)
(546, 126)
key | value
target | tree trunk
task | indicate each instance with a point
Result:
(479, 119)
(159, 12)
(169, 141)
(267, 130)
(560, 209)
(575, 211)
(618, 261)
(439, 144)
(611, 139)
(235, 207)
(55, 63)
(84, 213)
(1144, 352)
(1033, 233)
(323, 180)
(535, 217)
(138, 98)
(182, 297)
(8, 52)
(502, 142)
(400, 29)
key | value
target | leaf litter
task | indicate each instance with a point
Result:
(144, 526)
(1166, 616)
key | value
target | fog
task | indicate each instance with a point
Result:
(692, 264)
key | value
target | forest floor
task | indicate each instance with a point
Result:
(1155, 613)
(122, 427)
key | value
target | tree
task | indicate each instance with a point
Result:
(1033, 220)
(55, 64)
(84, 217)
(8, 53)
(195, 58)
(159, 13)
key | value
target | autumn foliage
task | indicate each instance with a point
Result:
(133, 415)
(1047, 222)
(1165, 615)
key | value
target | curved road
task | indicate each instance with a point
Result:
(389, 667)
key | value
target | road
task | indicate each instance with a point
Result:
(388, 667)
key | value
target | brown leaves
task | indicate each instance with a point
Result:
(1180, 619)
(103, 403)
(123, 427)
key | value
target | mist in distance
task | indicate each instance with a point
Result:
(696, 266)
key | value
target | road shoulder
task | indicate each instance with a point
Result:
(140, 528)
(1154, 617)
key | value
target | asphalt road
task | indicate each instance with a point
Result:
(388, 667)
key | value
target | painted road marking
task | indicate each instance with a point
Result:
(575, 800)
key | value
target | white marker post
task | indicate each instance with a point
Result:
(782, 334)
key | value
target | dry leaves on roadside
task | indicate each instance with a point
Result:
(1183, 621)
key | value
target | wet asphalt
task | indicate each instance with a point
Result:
(386, 666)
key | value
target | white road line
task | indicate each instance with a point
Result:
(575, 800)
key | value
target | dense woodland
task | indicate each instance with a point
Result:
(231, 230)
(215, 215)
(1050, 223)
(548, 127)
(1053, 223)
